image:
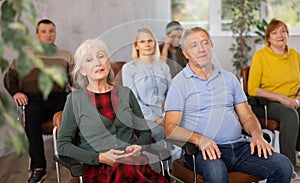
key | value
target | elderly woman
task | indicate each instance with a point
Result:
(275, 75)
(107, 120)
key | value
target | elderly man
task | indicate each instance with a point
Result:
(206, 106)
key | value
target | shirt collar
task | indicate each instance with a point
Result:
(188, 73)
(286, 54)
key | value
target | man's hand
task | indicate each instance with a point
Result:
(263, 148)
(210, 148)
(20, 98)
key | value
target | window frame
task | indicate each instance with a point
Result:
(215, 20)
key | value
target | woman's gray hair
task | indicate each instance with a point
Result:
(81, 54)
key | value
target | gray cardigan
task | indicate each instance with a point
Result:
(95, 132)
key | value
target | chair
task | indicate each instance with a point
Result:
(76, 167)
(117, 68)
(182, 173)
(265, 122)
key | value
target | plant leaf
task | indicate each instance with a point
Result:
(58, 74)
(7, 12)
(23, 65)
(49, 49)
(45, 84)
(28, 7)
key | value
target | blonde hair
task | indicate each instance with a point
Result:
(135, 52)
(88, 46)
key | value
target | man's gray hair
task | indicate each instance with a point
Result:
(193, 31)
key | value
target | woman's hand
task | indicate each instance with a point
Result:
(167, 41)
(287, 101)
(111, 156)
(166, 45)
(133, 150)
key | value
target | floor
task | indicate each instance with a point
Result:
(14, 168)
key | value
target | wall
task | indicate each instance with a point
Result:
(115, 22)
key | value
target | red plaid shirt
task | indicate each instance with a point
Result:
(106, 103)
(129, 170)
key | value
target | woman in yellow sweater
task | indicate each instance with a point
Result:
(275, 75)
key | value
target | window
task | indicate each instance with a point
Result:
(191, 12)
(226, 15)
(215, 15)
(286, 10)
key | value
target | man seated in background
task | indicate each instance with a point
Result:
(26, 92)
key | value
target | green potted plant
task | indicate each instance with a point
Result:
(244, 20)
(260, 32)
(15, 35)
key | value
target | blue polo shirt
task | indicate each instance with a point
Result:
(208, 105)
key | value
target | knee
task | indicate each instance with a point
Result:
(290, 113)
(216, 173)
(282, 168)
(289, 118)
(212, 170)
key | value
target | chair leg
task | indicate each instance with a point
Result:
(162, 168)
(80, 179)
(57, 171)
(194, 167)
(173, 178)
(174, 181)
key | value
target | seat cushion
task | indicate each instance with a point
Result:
(47, 127)
(181, 171)
(271, 124)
